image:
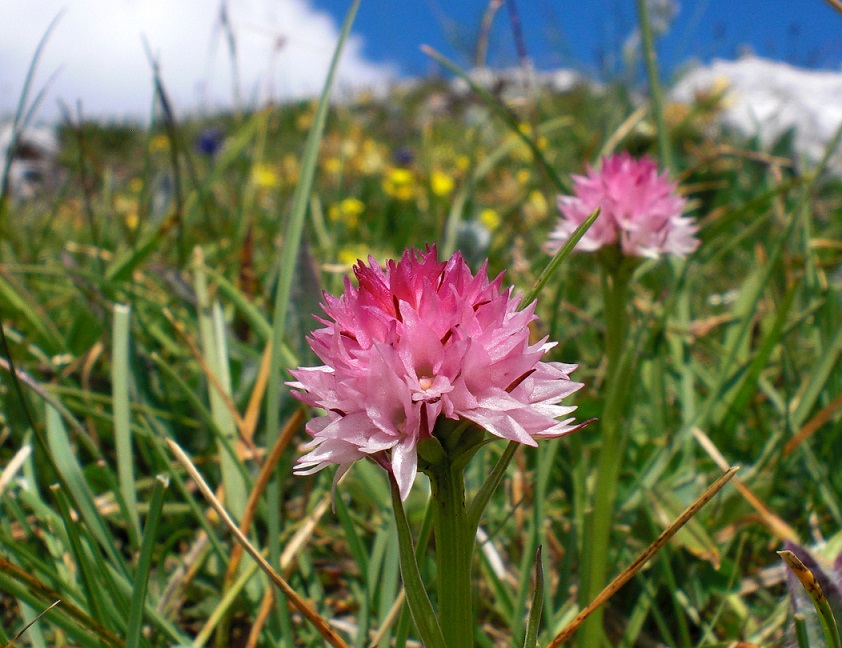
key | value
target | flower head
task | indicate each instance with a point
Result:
(399, 183)
(640, 211)
(416, 343)
(441, 184)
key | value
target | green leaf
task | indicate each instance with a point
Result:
(416, 596)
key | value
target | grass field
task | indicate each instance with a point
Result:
(162, 292)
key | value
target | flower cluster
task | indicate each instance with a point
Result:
(417, 341)
(640, 211)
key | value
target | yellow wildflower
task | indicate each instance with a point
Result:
(400, 184)
(490, 218)
(441, 184)
(536, 208)
(349, 148)
(539, 202)
(264, 176)
(332, 165)
(348, 255)
(126, 206)
(370, 161)
(348, 211)
(524, 152)
(159, 143)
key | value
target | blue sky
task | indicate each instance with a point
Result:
(284, 46)
(587, 33)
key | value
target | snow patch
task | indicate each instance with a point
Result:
(767, 98)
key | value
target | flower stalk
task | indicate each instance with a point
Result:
(615, 288)
(454, 552)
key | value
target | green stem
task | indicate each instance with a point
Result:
(454, 553)
(615, 282)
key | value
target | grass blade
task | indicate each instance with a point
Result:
(215, 352)
(534, 620)
(144, 564)
(22, 585)
(122, 428)
(808, 580)
(550, 269)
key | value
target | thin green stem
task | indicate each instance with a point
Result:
(454, 553)
(615, 288)
(664, 148)
(615, 283)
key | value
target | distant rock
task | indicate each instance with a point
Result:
(767, 98)
(33, 164)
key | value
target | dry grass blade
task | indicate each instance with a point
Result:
(173, 596)
(484, 31)
(813, 424)
(39, 389)
(261, 618)
(836, 4)
(253, 408)
(303, 534)
(30, 624)
(260, 484)
(804, 575)
(299, 603)
(391, 617)
(775, 524)
(643, 558)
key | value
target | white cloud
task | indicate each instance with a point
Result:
(97, 55)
